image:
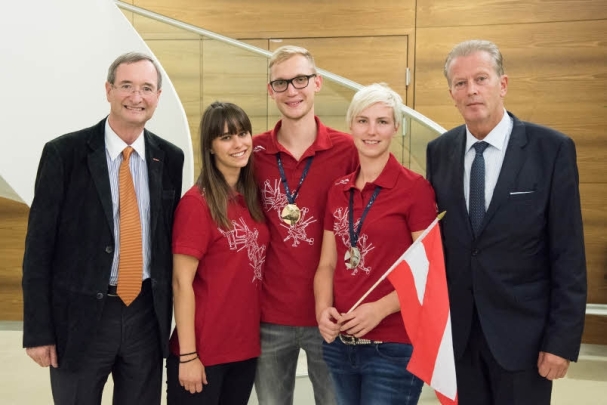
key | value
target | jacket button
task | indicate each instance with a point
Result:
(109, 249)
(99, 296)
(475, 252)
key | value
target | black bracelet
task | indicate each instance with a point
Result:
(187, 361)
(187, 354)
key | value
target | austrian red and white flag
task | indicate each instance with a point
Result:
(421, 284)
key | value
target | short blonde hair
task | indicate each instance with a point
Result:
(287, 52)
(373, 94)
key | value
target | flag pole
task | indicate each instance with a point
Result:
(401, 258)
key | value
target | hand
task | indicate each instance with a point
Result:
(43, 355)
(192, 376)
(551, 366)
(361, 321)
(329, 324)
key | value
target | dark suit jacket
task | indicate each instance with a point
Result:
(69, 245)
(526, 270)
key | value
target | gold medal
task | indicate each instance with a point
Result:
(290, 214)
(352, 258)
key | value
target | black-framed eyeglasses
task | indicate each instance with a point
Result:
(298, 82)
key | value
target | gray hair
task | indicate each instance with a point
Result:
(373, 94)
(475, 45)
(128, 58)
(287, 52)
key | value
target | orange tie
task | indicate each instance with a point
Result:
(130, 264)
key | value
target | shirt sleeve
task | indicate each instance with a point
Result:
(193, 226)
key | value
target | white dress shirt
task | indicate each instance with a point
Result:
(139, 170)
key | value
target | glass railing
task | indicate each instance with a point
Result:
(205, 66)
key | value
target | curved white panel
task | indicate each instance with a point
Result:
(55, 55)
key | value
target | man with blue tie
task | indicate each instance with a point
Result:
(513, 239)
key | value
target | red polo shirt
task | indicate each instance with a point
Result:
(227, 284)
(404, 204)
(294, 251)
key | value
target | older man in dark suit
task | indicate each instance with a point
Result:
(513, 239)
(97, 266)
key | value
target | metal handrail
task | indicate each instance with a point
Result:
(409, 112)
(596, 309)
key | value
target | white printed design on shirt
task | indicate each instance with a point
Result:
(275, 199)
(241, 237)
(341, 229)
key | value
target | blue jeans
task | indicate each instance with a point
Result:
(275, 378)
(372, 374)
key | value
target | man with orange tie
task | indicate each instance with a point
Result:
(97, 265)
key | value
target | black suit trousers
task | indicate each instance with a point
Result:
(482, 381)
(126, 345)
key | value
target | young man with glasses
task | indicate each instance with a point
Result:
(296, 163)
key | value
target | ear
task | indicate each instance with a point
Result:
(503, 85)
(317, 83)
(270, 91)
(108, 88)
(396, 128)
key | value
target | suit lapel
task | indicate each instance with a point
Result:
(97, 163)
(154, 159)
(513, 161)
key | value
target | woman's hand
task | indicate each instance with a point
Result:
(362, 320)
(192, 376)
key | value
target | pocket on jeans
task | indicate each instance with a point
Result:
(396, 352)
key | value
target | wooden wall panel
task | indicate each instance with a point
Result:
(278, 19)
(458, 13)
(594, 214)
(13, 226)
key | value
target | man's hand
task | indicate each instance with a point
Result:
(551, 366)
(43, 355)
(329, 323)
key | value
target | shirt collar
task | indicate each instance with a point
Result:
(496, 138)
(115, 145)
(386, 179)
(322, 141)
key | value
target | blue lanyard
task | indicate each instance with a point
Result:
(354, 235)
(283, 178)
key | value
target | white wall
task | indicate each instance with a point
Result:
(54, 56)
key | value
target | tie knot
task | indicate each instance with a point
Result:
(126, 153)
(480, 147)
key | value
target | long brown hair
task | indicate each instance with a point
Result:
(211, 181)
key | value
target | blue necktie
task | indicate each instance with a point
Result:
(476, 200)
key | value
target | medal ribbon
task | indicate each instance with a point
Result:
(283, 178)
(354, 235)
